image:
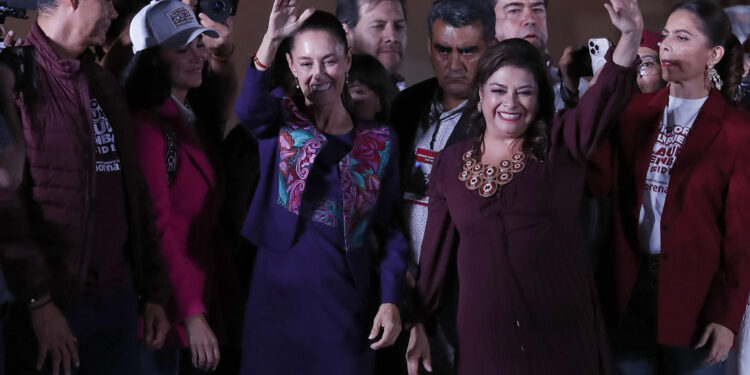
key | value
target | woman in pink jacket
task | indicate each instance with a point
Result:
(177, 132)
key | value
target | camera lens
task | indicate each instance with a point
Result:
(592, 51)
(591, 44)
(219, 6)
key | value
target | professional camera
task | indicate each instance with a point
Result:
(20, 59)
(218, 10)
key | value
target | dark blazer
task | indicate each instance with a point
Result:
(410, 110)
(705, 254)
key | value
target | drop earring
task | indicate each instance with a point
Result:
(296, 82)
(714, 78)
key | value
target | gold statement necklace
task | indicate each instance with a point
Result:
(489, 178)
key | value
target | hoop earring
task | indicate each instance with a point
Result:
(714, 78)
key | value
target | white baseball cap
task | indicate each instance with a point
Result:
(166, 23)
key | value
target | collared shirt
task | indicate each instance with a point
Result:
(429, 141)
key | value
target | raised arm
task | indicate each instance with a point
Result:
(256, 107)
(582, 129)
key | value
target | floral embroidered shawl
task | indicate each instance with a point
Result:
(361, 171)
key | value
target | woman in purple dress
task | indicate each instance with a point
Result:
(319, 295)
(503, 211)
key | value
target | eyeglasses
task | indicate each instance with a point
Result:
(648, 67)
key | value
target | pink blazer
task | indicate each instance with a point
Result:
(186, 212)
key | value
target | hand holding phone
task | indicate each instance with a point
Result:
(598, 48)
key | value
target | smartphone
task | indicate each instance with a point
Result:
(598, 48)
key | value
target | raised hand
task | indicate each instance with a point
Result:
(224, 44)
(283, 21)
(625, 15)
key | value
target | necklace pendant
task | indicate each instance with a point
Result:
(488, 180)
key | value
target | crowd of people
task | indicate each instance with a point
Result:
(510, 215)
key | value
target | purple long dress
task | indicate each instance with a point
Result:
(316, 282)
(527, 303)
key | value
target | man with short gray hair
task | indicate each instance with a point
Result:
(78, 245)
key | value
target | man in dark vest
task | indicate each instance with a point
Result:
(78, 244)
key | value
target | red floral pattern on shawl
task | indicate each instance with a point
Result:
(361, 171)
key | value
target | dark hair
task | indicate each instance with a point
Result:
(459, 13)
(494, 2)
(281, 75)
(125, 10)
(715, 25)
(746, 46)
(518, 53)
(326, 22)
(348, 11)
(322, 21)
(368, 71)
(148, 84)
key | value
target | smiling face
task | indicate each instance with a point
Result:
(186, 64)
(685, 51)
(319, 62)
(526, 19)
(509, 101)
(454, 53)
(381, 32)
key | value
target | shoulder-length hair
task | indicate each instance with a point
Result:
(521, 54)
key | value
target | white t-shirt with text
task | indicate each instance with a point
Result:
(679, 116)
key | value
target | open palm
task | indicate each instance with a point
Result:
(283, 20)
(625, 15)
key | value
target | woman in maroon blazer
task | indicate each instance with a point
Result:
(503, 204)
(178, 130)
(679, 167)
